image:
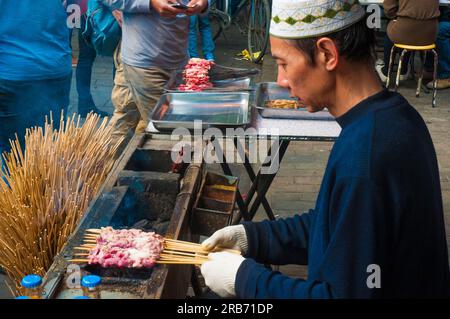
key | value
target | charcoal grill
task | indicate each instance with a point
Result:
(140, 192)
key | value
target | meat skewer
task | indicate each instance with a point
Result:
(196, 76)
(134, 248)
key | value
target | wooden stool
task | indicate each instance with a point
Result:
(423, 50)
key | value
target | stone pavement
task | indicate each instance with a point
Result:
(296, 186)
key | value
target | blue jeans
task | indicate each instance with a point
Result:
(204, 26)
(86, 59)
(443, 48)
(24, 104)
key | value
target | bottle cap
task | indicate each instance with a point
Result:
(22, 297)
(91, 281)
(81, 297)
(31, 281)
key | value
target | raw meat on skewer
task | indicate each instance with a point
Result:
(196, 75)
(133, 248)
(126, 248)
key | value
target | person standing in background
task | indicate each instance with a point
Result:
(35, 65)
(154, 43)
(86, 58)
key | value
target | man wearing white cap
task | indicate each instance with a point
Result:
(377, 230)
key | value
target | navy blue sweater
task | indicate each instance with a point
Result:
(379, 204)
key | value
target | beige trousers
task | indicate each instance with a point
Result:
(126, 115)
(136, 92)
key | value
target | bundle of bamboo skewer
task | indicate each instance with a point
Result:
(46, 189)
(175, 251)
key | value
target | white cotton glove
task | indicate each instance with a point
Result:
(233, 237)
(220, 272)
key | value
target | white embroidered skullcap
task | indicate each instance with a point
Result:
(296, 19)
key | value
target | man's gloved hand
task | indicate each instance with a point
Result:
(233, 237)
(220, 272)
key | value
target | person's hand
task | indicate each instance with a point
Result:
(164, 8)
(197, 7)
(118, 16)
(220, 272)
(233, 237)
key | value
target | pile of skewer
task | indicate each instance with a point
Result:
(46, 187)
(175, 251)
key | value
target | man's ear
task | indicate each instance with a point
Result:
(327, 53)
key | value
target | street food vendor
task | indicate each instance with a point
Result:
(377, 230)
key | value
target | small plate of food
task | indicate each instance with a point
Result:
(274, 101)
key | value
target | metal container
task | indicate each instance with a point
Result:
(213, 208)
(268, 91)
(223, 79)
(229, 85)
(175, 110)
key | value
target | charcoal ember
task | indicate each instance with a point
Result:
(160, 206)
(160, 227)
(144, 225)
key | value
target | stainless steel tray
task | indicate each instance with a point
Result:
(220, 110)
(267, 91)
(223, 79)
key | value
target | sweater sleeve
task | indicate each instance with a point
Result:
(357, 240)
(129, 6)
(280, 242)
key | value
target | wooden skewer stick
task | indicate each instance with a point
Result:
(82, 248)
(78, 260)
(186, 250)
(180, 262)
(176, 254)
(92, 230)
(182, 242)
(171, 262)
(189, 244)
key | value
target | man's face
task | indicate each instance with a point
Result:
(310, 83)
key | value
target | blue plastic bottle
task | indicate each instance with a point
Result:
(91, 286)
(32, 286)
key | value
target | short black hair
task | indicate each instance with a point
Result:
(356, 43)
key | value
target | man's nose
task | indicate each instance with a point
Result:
(281, 79)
